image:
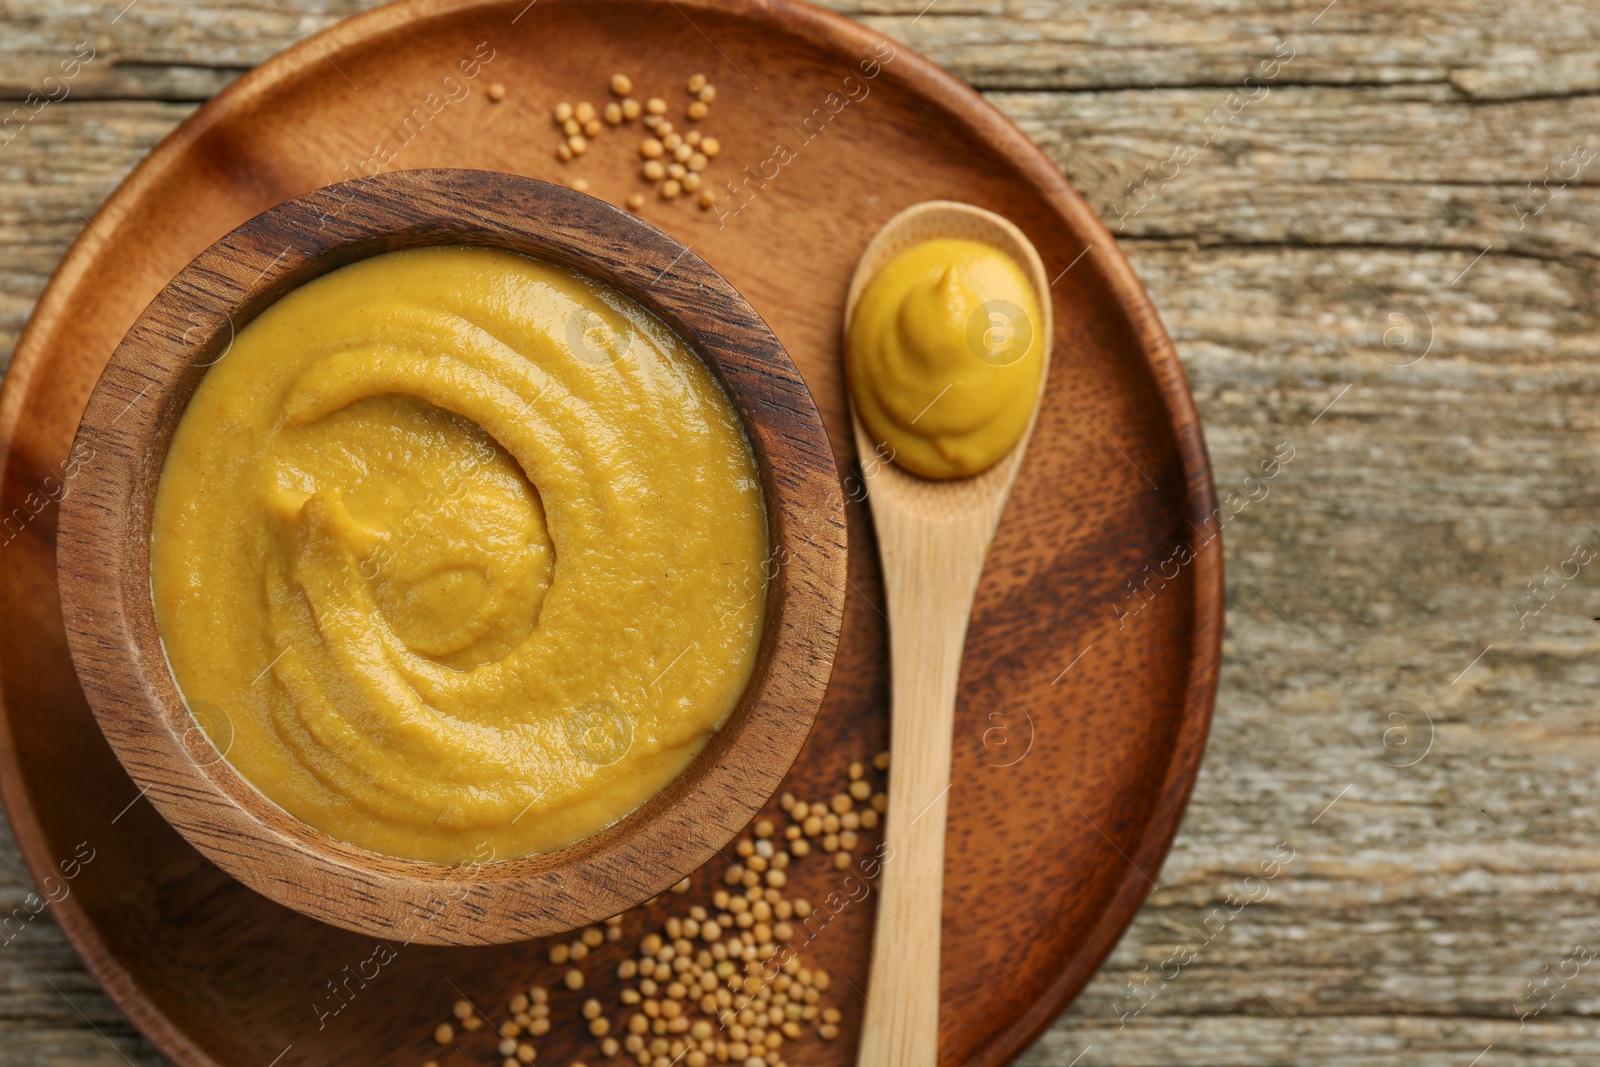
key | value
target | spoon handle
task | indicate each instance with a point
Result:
(931, 567)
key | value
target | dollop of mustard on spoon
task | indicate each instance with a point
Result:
(943, 357)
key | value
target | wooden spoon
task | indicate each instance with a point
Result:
(932, 537)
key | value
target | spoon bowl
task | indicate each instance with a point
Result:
(932, 537)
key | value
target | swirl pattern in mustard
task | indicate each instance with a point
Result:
(459, 554)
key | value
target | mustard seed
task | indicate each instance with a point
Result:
(526, 1053)
(574, 979)
(679, 171)
(881, 761)
(444, 1033)
(653, 170)
(571, 127)
(880, 802)
(651, 148)
(696, 83)
(841, 860)
(594, 937)
(497, 92)
(559, 954)
(707, 93)
(621, 84)
(630, 109)
(563, 112)
(696, 111)
(712, 147)
(683, 153)
(578, 144)
(635, 201)
(613, 114)
(656, 106)
(842, 803)
(592, 128)
(869, 819)
(698, 162)
(691, 183)
(860, 790)
(801, 847)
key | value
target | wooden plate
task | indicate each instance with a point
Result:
(1091, 662)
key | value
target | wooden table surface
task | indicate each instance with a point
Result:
(1372, 229)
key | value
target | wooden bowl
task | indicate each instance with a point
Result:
(104, 562)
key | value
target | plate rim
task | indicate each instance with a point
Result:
(832, 31)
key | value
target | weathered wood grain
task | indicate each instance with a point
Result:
(1398, 540)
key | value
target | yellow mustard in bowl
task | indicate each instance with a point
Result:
(457, 554)
(943, 355)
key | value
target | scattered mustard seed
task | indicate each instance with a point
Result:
(696, 83)
(497, 92)
(708, 93)
(653, 170)
(584, 112)
(670, 189)
(711, 147)
(696, 111)
(656, 106)
(630, 109)
(613, 113)
(621, 84)
(563, 112)
(444, 1033)
(651, 148)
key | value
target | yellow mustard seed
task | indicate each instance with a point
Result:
(683, 153)
(651, 148)
(670, 189)
(712, 147)
(691, 183)
(497, 92)
(592, 128)
(563, 112)
(656, 106)
(707, 93)
(613, 114)
(573, 979)
(697, 111)
(571, 127)
(696, 83)
(578, 143)
(444, 1033)
(621, 84)
(653, 170)
(630, 109)
(678, 171)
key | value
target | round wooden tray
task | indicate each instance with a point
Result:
(1084, 704)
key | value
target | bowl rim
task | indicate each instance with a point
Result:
(103, 561)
